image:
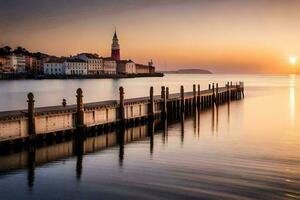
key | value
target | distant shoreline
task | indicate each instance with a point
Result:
(12, 76)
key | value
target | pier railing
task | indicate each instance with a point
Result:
(34, 122)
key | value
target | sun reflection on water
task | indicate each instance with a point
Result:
(292, 97)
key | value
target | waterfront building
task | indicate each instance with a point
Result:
(54, 67)
(110, 66)
(17, 62)
(37, 65)
(95, 64)
(28, 63)
(76, 66)
(115, 47)
(145, 69)
(5, 64)
(126, 67)
(142, 69)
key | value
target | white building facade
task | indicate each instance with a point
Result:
(54, 68)
(65, 67)
(110, 66)
(126, 67)
(95, 64)
(130, 68)
(18, 63)
(76, 67)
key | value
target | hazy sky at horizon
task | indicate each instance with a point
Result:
(221, 35)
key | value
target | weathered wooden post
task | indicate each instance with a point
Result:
(199, 96)
(228, 92)
(243, 90)
(236, 91)
(182, 99)
(122, 107)
(167, 92)
(64, 102)
(217, 93)
(164, 102)
(231, 92)
(194, 97)
(80, 109)
(151, 106)
(163, 89)
(30, 115)
(213, 94)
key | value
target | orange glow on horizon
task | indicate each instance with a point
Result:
(239, 37)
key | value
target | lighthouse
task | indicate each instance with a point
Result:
(115, 47)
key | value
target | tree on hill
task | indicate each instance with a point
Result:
(5, 51)
(21, 51)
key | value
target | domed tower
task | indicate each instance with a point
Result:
(115, 47)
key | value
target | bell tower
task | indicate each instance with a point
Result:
(115, 47)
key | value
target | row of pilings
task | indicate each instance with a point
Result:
(171, 107)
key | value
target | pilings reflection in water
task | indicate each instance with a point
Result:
(86, 142)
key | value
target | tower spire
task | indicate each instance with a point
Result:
(115, 47)
(115, 35)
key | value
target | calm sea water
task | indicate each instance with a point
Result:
(249, 149)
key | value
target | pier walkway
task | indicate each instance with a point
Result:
(25, 125)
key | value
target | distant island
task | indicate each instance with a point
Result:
(188, 71)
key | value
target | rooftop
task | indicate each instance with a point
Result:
(124, 61)
(56, 60)
(75, 60)
(108, 58)
(90, 55)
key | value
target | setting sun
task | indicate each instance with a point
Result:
(293, 60)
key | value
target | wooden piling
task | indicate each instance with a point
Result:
(213, 100)
(164, 102)
(194, 96)
(199, 97)
(122, 107)
(217, 94)
(167, 92)
(163, 90)
(151, 106)
(80, 109)
(182, 99)
(31, 118)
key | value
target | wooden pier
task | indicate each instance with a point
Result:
(23, 126)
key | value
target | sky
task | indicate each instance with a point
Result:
(224, 36)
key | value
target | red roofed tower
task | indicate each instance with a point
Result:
(115, 47)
